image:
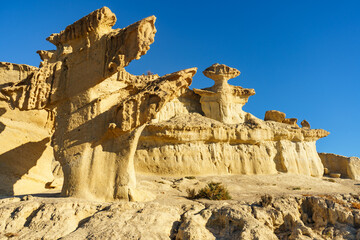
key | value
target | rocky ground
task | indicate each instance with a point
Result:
(281, 206)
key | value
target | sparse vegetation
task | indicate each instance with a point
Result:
(191, 193)
(11, 235)
(266, 200)
(190, 177)
(355, 205)
(213, 191)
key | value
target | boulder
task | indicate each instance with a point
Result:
(274, 115)
(305, 124)
(290, 121)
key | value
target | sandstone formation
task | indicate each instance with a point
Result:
(274, 115)
(109, 123)
(222, 101)
(307, 217)
(280, 206)
(25, 152)
(223, 139)
(100, 109)
(277, 116)
(305, 124)
(291, 121)
(194, 145)
(348, 167)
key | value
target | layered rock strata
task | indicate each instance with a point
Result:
(347, 167)
(223, 102)
(194, 144)
(25, 152)
(100, 110)
(223, 139)
(108, 122)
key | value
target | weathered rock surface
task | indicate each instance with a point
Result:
(291, 121)
(305, 124)
(274, 115)
(100, 109)
(303, 217)
(226, 140)
(194, 144)
(108, 122)
(25, 152)
(348, 167)
(222, 101)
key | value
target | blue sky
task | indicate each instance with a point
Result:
(301, 57)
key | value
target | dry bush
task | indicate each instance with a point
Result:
(11, 235)
(355, 205)
(191, 193)
(190, 177)
(213, 191)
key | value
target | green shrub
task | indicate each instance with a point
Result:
(213, 191)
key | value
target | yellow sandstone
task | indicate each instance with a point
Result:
(106, 124)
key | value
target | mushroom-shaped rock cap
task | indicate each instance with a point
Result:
(221, 72)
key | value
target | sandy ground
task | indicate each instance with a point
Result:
(247, 188)
(169, 213)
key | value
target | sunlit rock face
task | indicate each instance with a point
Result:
(100, 109)
(347, 167)
(106, 123)
(224, 102)
(25, 151)
(211, 134)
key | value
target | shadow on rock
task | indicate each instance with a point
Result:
(17, 162)
(2, 126)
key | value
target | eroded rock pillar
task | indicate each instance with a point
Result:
(224, 102)
(100, 108)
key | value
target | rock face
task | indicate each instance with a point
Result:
(310, 217)
(348, 167)
(223, 139)
(100, 109)
(25, 152)
(108, 122)
(200, 146)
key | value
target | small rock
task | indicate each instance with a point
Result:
(335, 175)
(290, 121)
(305, 124)
(27, 198)
(274, 115)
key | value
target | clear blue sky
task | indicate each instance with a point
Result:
(302, 57)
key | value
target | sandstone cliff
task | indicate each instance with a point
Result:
(348, 167)
(223, 139)
(25, 152)
(106, 123)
